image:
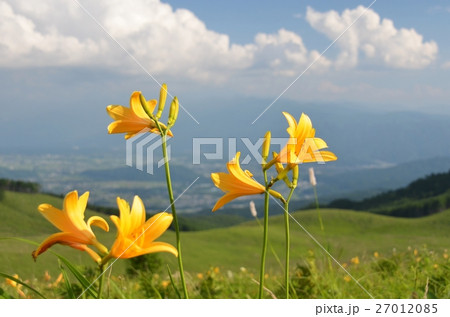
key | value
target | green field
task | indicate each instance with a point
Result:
(347, 234)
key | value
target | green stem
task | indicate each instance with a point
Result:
(100, 284)
(265, 238)
(318, 210)
(271, 247)
(174, 211)
(288, 241)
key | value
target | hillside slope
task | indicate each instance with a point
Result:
(421, 197)
(348, 234)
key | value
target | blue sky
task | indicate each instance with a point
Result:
(59, 69)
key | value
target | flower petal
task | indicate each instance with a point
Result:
(98, 222)
(124, 209)
(292, 124)
(55, 216)
(156, 226)
(136, 106)
(137, 213)
(161, 247)
(118, 112)
(320, 156)
(152, 248)
(65, 238)
(127, 126)
(225, 199)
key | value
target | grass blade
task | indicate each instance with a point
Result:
(173, 284)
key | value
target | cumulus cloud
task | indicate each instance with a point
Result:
(164, 40)
(22, 44)
(176, 42)
(378, 40)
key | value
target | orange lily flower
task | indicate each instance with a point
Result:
(75, 232)
(133, 120)
(237, 183)
(303, 146)
(135, 236)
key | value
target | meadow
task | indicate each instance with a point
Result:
(390, 257)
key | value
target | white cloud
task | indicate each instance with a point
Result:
(177, 43)
(164, 40)
(284, 52)
(377, 39)
(21, 44)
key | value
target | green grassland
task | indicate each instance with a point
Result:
(347, 234)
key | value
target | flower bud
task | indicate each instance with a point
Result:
(280, 169)
(173, 113)
(162, 101)
(294, 176)
(145, 106)
(266, 146)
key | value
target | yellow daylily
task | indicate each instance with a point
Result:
(237, 183)
(303, 146)
(135, 236)
(75, 232)
(133, 120)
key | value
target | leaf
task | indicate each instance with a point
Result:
(79, 276)
(12, 278)
(66, 281)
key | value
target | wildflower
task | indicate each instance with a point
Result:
(416, 252)
(75, 232)
(347, 278)
(47, 276)
(58, 280)
(16, 285)
(355, 260)
(216, 270)
(445, 255)
(12, 283)
(253, 209)
(435, 266)
(200, 276)
(135, 236)
(165, 283)
(237, 183)
(344, 265)
(243, 269)
(133, 120)
(303, 146)
(376, 254)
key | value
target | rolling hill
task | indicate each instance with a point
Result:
(348, 234)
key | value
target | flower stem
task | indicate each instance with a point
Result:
(265, 238)
(288, 241)
(318, 209)
(100, 283)
(174, 211)
(270, 246)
